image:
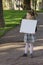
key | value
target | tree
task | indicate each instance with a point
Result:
(34, 3)
(9, 3)
(12, 4)
(26, 4)
(2, 23)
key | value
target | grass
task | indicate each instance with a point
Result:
(12, 18)
(40, 11)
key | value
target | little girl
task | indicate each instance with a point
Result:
(29, 39)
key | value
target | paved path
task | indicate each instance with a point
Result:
(12, 36)
(12, 50)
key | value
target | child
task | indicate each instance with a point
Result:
(29, 39)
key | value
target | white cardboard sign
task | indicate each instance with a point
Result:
(28, 26)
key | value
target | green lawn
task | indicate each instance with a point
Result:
(12, 18)
(40, 11)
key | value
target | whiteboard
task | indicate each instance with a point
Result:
(28, 26)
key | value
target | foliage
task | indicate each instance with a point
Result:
(12, 18)
(26, 4)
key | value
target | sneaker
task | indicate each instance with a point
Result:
(24, 55)
(31, 55)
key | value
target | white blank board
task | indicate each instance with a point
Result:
(28, 26)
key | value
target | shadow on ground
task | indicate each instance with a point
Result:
(11, 54)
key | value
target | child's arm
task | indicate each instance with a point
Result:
(36, 29)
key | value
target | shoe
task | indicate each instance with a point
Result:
(24, 55)
(31, 55)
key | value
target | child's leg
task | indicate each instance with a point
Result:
(25, 41)
(26, 48)
(31, 48)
